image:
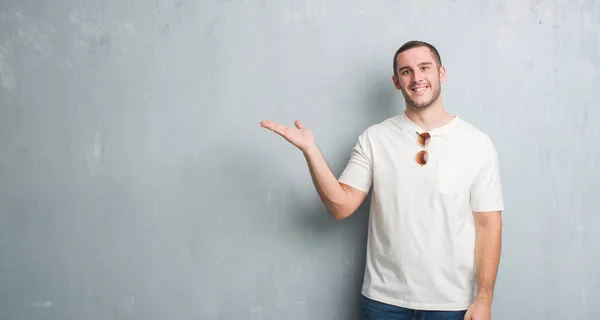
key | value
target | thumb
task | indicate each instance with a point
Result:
(299, 125)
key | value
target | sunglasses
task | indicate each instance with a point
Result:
(422, 156)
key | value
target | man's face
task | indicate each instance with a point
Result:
(419, 77)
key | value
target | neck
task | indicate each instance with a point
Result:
(432, 117)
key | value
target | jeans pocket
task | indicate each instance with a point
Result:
(375, 310)
(460, 316)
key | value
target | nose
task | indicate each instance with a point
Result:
(417, 76)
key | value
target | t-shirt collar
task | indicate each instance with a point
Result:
(411, 127)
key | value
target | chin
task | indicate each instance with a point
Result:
(419, 104)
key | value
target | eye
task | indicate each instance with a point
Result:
(405, 72)
(424, 68)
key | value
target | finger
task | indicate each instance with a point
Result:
(274, 126)
(299, 124)
(269, 124)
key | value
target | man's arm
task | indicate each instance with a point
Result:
(487, 205)
(488, 226)
(340, 199)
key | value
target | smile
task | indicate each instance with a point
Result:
(419, 88)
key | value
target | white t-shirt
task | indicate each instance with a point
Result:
(421, 235)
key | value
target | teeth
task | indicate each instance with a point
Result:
(419, 89)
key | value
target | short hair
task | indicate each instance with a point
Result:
(417, 44)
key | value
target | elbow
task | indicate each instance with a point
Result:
(344, 205)
(340, 213)
(339, 217)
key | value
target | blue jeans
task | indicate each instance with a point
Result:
(375, 310)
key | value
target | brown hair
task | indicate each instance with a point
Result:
(416, 44)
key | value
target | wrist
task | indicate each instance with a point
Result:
(310, 150)
(485, 299)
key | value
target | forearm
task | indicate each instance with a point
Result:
(332, 194)
(487, 255)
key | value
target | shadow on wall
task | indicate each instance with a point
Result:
(336, 249)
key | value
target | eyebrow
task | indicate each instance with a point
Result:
(420, 64)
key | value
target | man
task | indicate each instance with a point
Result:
(435, 218)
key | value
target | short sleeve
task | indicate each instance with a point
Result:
(486, 190)
(359, 170)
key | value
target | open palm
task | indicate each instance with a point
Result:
(301, 136)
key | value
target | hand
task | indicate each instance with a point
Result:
(479, 310)
(301, 136)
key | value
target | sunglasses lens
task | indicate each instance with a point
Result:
(422, 157)
(424, 138)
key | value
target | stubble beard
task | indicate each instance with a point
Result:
(423, 105)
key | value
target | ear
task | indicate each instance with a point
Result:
(396, 82)
(442, 73)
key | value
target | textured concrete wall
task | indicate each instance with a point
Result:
(136, 182)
